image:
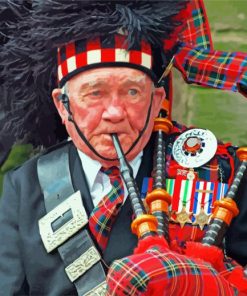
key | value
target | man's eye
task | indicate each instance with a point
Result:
(132, 92)
(95, 93)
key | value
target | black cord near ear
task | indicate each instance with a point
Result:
(65, 100)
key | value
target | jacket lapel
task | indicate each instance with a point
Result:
(79, 179)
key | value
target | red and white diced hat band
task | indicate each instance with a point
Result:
(82, 55)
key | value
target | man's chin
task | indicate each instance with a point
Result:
(107, 152)
(110, 153)
(105, 148)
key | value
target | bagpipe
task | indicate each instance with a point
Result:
(160, 267)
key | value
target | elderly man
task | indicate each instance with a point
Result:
(65, 215)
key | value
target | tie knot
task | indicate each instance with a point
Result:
(114, 175)
(111, 172)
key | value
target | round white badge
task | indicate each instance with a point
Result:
(194, 148)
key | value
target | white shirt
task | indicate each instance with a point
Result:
(98, 182)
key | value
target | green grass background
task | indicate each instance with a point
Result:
(222, 112)
(18, 155)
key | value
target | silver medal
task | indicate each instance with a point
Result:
(194, 148)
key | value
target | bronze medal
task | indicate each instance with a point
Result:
(183, 217)
(201, 219)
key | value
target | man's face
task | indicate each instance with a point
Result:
(110, 100)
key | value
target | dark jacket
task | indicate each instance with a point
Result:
(25, 266)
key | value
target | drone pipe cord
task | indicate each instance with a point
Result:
(144, 225)
(226, 209)
(159, 199)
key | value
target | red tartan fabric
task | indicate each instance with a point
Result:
(200, 64)
(104, 214)
(216, 69)
(197, 32)
(189, 232)
(227, 268)
(160, 271)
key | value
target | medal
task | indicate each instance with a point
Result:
(201, 219)
(193, 197)
(183, 217)
(194, 148)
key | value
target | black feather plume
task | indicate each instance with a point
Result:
(32, 32)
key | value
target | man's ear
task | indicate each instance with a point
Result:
(159, 96)
(59, 105)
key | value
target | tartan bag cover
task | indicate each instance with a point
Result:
(104, 214)
(161, 271)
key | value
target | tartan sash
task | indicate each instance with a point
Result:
(104, 214)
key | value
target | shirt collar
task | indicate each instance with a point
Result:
(92, 167)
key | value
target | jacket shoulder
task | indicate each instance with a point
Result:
(31, 164)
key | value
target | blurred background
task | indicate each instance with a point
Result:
(224, 113)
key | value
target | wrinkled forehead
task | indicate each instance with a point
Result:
(108, 76)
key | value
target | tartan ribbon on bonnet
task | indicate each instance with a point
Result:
(104, 214)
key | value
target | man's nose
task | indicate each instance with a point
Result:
(114, 113)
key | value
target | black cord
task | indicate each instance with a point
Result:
(65, 100)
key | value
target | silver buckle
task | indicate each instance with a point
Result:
(99, 290)
(52, 239)
(82, 263)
